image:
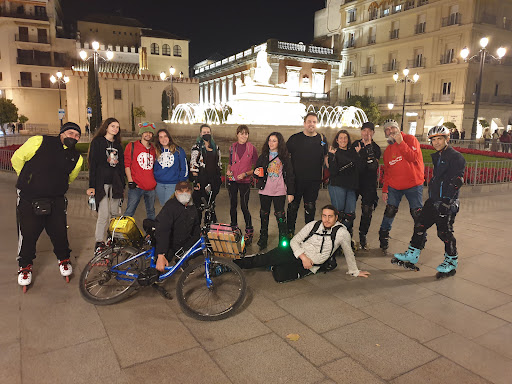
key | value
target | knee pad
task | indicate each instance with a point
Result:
(293, 207)
(444, 235)
(310, 208)
(366, 210)
(416, 213)
(264, 214)
(348, 216)
(280, 216)
(390, 211)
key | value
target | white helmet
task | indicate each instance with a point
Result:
(438, 130)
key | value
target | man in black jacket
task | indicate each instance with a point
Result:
(370, 154)
(441, 206)
(177, 225)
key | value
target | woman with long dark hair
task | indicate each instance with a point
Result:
(170, 166)
(344, 165)
(276, 182)
(205, 167)
(106, 175)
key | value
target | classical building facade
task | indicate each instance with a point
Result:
(378, 39)
(308, 71)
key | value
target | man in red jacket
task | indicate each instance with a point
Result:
(403, 175)
(139, 158)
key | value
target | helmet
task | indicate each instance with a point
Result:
(390, 123)
(438, 130)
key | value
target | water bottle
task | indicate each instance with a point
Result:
(92, 203)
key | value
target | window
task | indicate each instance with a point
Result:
(418, 60)
(114, 32)
(45, 80)
(117, 94)
(394, 64)
(352, 15)
(177, 51)
(42, 36)
(23, 33)
(450, 53)
(40, 11)
(26, 79)
(348, 94)
(397, 8)
(496, 90)
(155, 49)
(447, 88)
(0, 76)
(166, 50)
(373, 13)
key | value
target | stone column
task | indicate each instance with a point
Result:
(230, 87)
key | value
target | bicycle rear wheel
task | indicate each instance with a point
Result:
(100, 285)
(225, 295)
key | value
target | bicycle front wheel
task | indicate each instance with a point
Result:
(221, 299)
(101, 285)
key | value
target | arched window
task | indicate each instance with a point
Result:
(177, 51)
(155, 49)
(166, 50)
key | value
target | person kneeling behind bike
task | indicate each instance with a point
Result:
(177, 225)
(308, 250)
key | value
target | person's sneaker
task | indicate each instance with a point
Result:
(65, 267)
(25, 275)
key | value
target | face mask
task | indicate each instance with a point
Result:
(390, 140)
(69, 142)
(184, 198)
(207, 137)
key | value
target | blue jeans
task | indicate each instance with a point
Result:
(164, 192)
(413, 195)
(134, 196)
(344, 200)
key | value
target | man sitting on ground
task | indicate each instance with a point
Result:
(307, 250)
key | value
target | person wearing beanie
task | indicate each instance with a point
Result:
(139, 158)
(370, 154)
(45, 166)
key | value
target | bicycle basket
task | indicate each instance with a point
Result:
(226, 241)
(124, 228)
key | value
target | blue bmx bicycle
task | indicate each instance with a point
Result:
(209, 288)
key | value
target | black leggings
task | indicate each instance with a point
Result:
(245, 190)
(266, 203)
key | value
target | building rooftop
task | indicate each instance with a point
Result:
(113, 20)
(147, 32)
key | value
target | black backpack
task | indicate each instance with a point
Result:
(330, 264)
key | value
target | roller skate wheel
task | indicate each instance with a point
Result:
(441, 275)
(25, 287)
(67, 279)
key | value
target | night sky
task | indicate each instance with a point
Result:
(226, 27)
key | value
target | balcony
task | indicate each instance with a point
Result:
(28, 83)
(394, 34)
(370, 70)
(422, 2)
(439, 97)
(40, 15)
(40, 58)
(31, 39)
(419, 62)
(352, 18)
(453, 19)
(348, 73)
(488, 19)
(391, 67)
(501, 99)
(447, 59)
(420, 28)
(372, 39)
(374, 14)
(349, 44)
(385, 99)
(418, 98)
(409, 5)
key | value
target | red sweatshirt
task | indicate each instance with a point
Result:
(141, 164)
(403, 164)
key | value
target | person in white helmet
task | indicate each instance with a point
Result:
(441, 206)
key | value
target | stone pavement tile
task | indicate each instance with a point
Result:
(406, 322)
(455, 316)
(487, 270)
(402, 291)
(357, 293)
(499, 340)
(218, 334)
(50, 322)
(310, 344)
(439, 371)
(10, 318)
(90, 362)
(262, 308)
(321, 311)
(142, 330)
(507, 289)
(477, 359)
(191, 366)
(373, 344)
(347, 370)
(265, 359)
(503, 312)
(10, 359)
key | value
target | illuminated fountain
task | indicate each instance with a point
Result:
(259, 103)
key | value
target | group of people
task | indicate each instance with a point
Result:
(285, 171)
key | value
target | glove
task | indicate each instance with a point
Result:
(259, 172)
(132, 185)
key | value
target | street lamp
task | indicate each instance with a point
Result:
(464, 53)
(406, 79)
(164, 77)
(95, 59)
(390, 107)
(59, 78)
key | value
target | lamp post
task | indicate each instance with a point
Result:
(59, 78)
(464, 53)
(164, 77)
(95, 59)
(406, 79)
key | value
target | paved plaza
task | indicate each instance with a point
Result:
(397, 326)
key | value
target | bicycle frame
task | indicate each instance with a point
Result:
(200, 245)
